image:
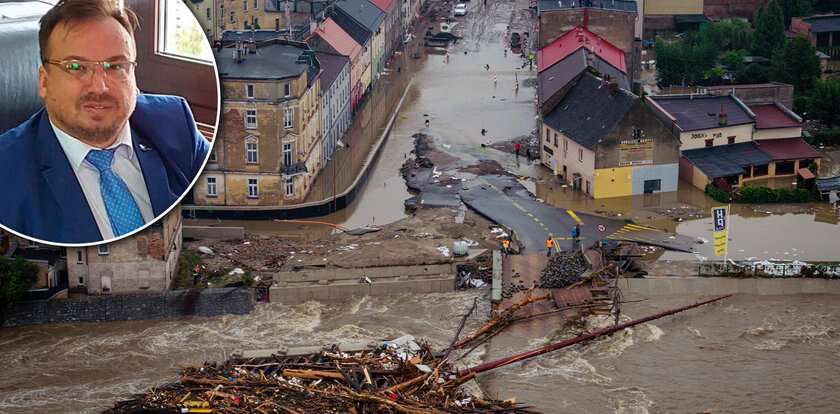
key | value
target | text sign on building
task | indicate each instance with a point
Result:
(720, 216)
(635, 152)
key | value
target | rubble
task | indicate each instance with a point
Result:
(562, 270)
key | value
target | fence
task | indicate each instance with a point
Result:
(769, 269)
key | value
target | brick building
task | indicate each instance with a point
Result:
(268, 148)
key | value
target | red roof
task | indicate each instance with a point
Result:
(333, 34)
(575, 39)
(787, 149)
(771, 116)
(384, 5)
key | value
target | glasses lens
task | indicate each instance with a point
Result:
(75, 68)
(117, 70)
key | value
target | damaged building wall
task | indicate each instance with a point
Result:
(143, 262)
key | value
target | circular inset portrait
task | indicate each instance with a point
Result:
(108, 113)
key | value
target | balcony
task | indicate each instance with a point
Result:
(292, 170)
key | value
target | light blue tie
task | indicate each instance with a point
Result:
(122, 209)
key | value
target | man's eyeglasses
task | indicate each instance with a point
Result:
(83, 70)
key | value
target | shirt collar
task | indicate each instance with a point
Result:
(76, 150)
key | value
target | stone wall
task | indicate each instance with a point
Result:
(208, 302)
(725, 9)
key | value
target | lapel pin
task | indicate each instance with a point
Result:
(143, 147)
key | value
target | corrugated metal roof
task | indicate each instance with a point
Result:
(339, 39)
(364, 12)
(701, 112)
(623, 5)
(821, 24)
(771, 116)
(589, 111)
(577, 38)
(726, 160)
(787, 149)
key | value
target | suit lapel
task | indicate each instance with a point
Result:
(77, 220)
(154, 173)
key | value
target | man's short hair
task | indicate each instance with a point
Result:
(80, 10)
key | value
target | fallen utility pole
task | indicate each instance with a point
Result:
(576, 340)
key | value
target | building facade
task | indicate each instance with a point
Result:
(329, 37)
(336, 113)
(268, 148)
(145, 262)
(371, 19)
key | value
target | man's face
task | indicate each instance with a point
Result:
(93, 108)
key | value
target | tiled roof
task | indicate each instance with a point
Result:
(577, 38)
(726, 160)
(772, 116)
(622, 5)
(701, 112)
(787, 149)
(339, 39)
(331, 66)
(589, 111)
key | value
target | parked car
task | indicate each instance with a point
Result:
(461, 9)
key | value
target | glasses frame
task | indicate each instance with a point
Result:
(101, 64)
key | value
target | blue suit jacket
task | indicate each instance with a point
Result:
(42, 198)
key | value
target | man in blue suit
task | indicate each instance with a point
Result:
(100, 160)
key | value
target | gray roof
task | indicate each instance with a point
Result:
(726, 160)
(820, 24)
(559, 74)
(589, 111)
(363, 12)
(355, 29)
(622, 5)
(331, 66)
(256, 35)
(701, 112)
(275, 60)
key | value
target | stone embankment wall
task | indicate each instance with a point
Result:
(208, 302)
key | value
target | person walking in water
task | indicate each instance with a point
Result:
(427, 123)
(549, 245)
(487, 66)
(516, 147)
(495, 81)
(576, 235)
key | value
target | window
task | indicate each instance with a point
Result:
(180, 34)
(652, 186)
(730, 140)
(245, 5)
(256, 23)
(565, 147)
(290, 187)
(208, 14)
(79, 257)
(81, 280)
(580, 154)
(251, 152)
(256, 4)
(253, 188)
(287, 119)
(710, 143)
(287, 153)
(555, 140)
(287, 89)
(249, 91)
(103, 250)
(251, 118)
(211, 186)
(760, 170)
(213, 156)
(785, 167)
(232, 17)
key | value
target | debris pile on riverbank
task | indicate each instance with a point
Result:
(563, 270)
(399, 376)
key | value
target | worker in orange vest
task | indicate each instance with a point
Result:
(505, 246)
(549, 245)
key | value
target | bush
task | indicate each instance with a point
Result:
(16, 277)
(763, 195)
(717, 194)
(828, 136)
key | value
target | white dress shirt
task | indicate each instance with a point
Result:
(125, 165)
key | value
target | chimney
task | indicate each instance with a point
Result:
(723, 119)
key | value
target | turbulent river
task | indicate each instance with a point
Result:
(747, 354)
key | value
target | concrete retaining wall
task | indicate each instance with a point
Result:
(339, 284)
(666, 286)
(220, 233)
(208, 302)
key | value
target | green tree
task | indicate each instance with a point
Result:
(733, 60)
(796, 8)
(796, 64)
(822, 102)
(190, 41)
(752, 73)
(769, 33)
(826, 6)
(16, 277)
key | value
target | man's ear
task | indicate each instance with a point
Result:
(42, 82)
